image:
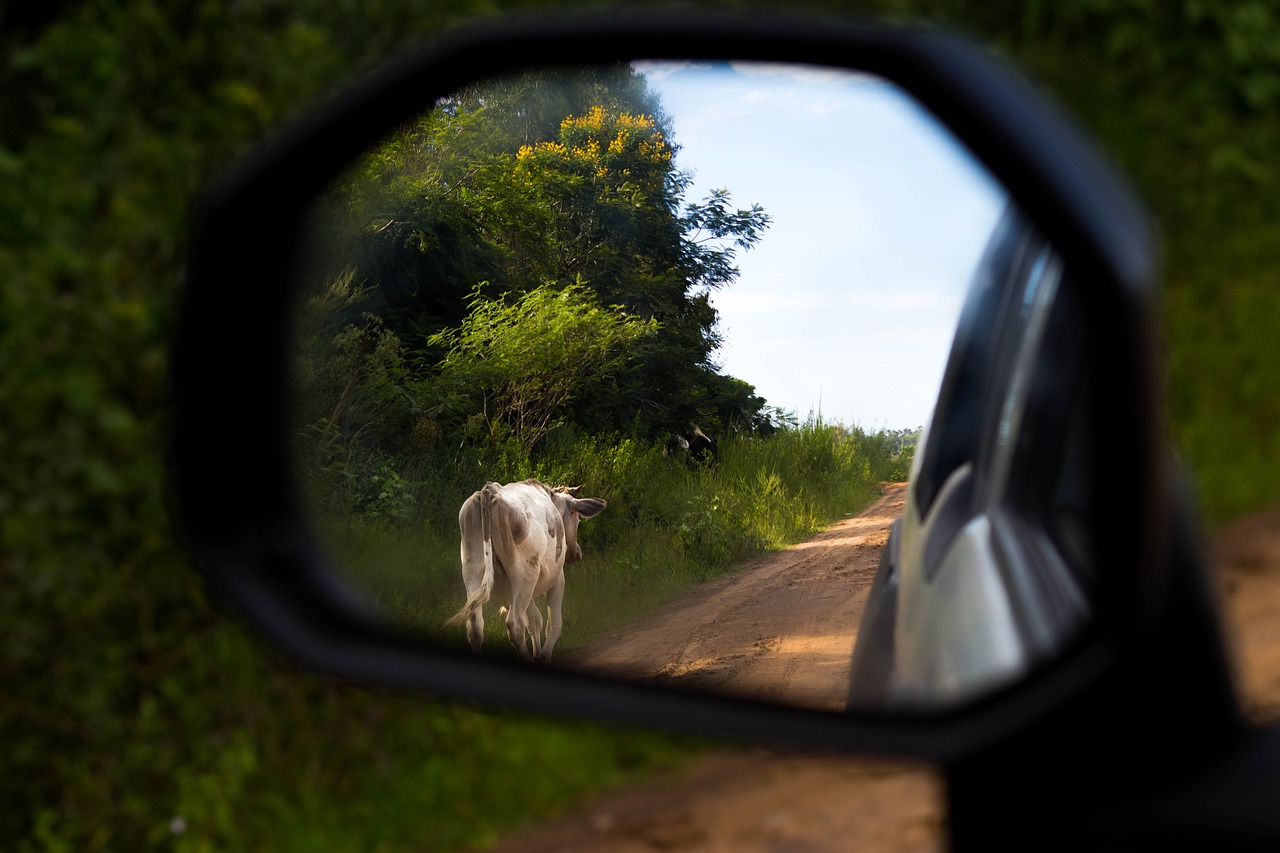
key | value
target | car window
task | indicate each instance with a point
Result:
(979, 356)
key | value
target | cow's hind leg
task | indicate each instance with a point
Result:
(475, 630)
(518, 621)
(555, 622)
(534, 615)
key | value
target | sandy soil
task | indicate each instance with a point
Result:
(1246, 559)
(780, 629)
(788, 802)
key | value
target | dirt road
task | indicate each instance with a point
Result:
(782, 802)
(780, 629)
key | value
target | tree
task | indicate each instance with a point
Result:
(432, 211)
(497, 184)
(519, 363)
(608, 198)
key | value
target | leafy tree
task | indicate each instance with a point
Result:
(452, 199)
(519, 364)
(434, 211)
(529, 108)
(356, 402)
(611, 197)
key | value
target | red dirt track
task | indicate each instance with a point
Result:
(764, 801)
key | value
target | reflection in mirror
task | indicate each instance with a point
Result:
(584, 358)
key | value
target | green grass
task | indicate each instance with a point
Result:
(457, 782)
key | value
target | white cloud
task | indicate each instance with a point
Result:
(851, 298)
(744, 301)
(809, 75)
(658, 69)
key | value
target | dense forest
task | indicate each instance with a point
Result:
(133, 714)
(522, 258)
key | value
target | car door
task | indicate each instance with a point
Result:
(988, 557)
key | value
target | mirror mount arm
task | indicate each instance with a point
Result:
(1164, 719)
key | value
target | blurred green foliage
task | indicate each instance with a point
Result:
(499, 353)
(132, 715)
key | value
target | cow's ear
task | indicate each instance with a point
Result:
(589, 507)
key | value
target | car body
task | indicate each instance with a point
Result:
(987, 572)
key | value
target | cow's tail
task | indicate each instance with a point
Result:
(477, 599)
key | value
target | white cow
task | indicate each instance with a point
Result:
(515, 541)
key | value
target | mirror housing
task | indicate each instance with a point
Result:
(238, 503)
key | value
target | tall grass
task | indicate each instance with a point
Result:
(669, 525)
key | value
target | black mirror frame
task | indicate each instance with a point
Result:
(235, 497)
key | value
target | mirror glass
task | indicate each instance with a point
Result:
(635, 361)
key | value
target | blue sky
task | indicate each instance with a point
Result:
(849, 301)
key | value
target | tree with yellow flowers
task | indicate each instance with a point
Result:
(610, 200)
(546, 180)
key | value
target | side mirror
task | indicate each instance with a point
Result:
(428, 237)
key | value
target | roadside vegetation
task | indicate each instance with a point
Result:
(669, 525)
(515, 285)
(134, 714)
